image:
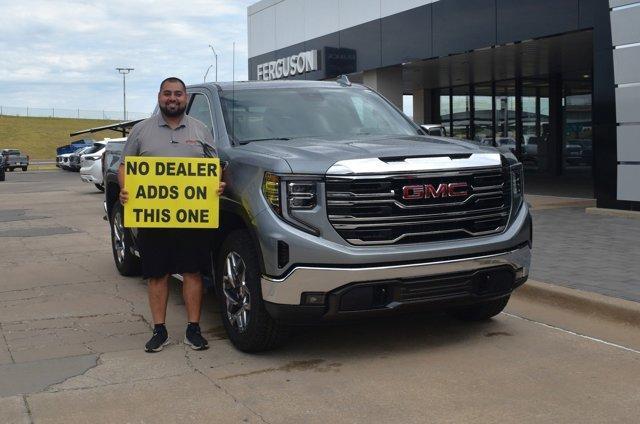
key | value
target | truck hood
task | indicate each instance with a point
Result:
(316, 156)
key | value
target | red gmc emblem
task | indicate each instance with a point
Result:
(429, 191)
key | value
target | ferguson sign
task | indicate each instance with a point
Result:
(289, 66)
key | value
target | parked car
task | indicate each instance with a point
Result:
(14, 159)
(2, 168)
(352, 215)
(64, 161)
(74, 158)
(74, 145)
(91, 161)
(579, 152)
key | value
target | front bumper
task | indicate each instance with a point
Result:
(326, 281)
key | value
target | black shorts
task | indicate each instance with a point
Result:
(174, 251)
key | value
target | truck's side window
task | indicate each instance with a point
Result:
(200, 109)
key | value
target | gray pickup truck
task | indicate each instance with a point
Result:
(15, 159)
(338, 206)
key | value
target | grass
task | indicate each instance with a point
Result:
(39, 137)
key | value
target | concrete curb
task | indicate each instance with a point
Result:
(614, 212)
(593, 304)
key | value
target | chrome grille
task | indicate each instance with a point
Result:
(370, 210)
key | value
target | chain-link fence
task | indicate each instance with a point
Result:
(70, 113)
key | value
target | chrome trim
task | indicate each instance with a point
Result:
(359, 242)
(348, 194)
(403, 206)
(350, 218)
(407, 223)
(288, 290)
(420, 164)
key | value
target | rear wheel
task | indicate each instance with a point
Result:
(24, 168)
(127, 263)
(481, 311)
(249, 326)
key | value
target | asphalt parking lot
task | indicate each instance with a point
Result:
(73, 332)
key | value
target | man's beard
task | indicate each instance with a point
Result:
(174, 112)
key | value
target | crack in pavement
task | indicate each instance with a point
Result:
(37, 376)
(220, 387)
(47, 285)
(27, 408)
(108, 384)
(6, 344)
(26, 321)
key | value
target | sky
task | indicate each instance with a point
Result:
(63, 53)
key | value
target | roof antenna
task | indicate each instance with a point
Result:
(343, 80)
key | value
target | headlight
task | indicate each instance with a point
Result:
(517, 187)
(301, 195)
(287, 195)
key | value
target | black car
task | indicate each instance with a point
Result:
(2, 167)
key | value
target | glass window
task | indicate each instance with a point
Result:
(461, 112)
(445, 111)
(578, 128)
(200, 110)
(329, 113)
(483, 115)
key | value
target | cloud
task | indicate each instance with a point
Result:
(64, 53)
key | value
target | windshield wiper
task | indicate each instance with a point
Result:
(265, 139)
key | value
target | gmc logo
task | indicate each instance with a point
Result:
(429, 191)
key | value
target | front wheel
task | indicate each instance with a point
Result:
(127, 263)
(481, 311)
(248, 324)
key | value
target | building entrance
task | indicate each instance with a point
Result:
(542, 113)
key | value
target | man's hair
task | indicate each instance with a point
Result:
(173, 79)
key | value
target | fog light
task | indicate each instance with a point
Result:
(313, 299)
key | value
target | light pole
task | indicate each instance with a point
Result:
(204, 79)
(216, 56)
(124, 72)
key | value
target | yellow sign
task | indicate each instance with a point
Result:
(172, 192)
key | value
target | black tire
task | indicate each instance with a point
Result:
(100, 187)
(24, 168)
(10, 169)
(481, 311)
(2, 176)
(261, 332)
(127, 263)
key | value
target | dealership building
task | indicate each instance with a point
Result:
(555, 81)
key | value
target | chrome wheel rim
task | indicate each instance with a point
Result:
(118, 237)
(236, 292)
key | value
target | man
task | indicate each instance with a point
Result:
(163, 252)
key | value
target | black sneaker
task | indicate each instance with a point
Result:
(159, 340)
(194, 339)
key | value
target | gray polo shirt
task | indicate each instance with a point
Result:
(154, 137)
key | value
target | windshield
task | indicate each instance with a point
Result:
(329, 113)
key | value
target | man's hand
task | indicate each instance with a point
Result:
(124, 196)
(221, 188)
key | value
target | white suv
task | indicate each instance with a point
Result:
(91, 163)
